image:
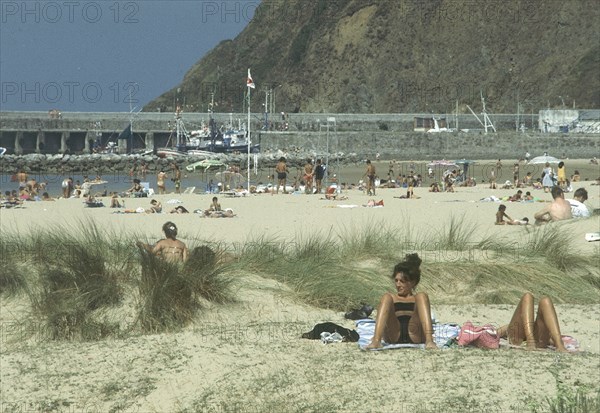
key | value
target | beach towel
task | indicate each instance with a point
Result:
(479, 336)
(444, 334)
(570, 342)
(490, 198)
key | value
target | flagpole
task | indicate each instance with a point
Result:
(248, 141)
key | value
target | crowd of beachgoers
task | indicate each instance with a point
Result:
(311, 180)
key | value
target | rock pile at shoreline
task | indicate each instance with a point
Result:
(123, 163)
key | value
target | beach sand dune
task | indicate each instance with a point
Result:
(247, 356)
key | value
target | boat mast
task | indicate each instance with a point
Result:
(130, 124)
(211, 122)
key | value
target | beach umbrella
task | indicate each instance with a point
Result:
(465, 163)
(442, 163)
(542, 160)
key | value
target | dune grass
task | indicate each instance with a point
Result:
(169, 292)
(342, 269)
(574, 402)
(71, 279)
(317, 268)
(75, 276)
(12, 278)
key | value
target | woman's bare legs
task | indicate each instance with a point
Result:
(420, 328)
(538, 332)
(387, 326)
(546, 326)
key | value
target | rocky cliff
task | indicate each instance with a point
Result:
(380, 56)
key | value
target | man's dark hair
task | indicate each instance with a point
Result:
(556, 191)
(581, 193)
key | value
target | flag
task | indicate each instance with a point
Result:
(249, 81)
(126, 134)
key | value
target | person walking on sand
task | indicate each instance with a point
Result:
(176, 178)
(144, 169)
(282, 171)
(547, 177)
(319, 175)
(308, 177)
(562, 175)
(516, 174)
(67, 187)
(404, 317)
(558, 210)
(370, 175)
(160, 182)
(169, 248)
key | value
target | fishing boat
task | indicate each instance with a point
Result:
(179, 136)
(206, 140)
(232, 140)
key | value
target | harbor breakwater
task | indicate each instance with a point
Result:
(35, 142)
(342, 147)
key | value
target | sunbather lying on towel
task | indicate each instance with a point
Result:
(226, 213)
(404, 317)
(537, 332)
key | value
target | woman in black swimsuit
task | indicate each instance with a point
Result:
(404, 317)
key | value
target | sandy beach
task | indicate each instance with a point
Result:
(247, 356)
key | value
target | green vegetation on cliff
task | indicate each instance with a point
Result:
(381, 56)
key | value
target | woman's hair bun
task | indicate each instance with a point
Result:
(413, 260)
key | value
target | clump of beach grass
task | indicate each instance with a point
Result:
(13, 275)
(12, 278)
(169, 292)
(555, 244)
(207, 270)
(574, 402)
(73, 277)
(456, 235)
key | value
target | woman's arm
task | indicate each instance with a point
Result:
(145, 246)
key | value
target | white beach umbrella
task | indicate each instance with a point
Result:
(542, 160)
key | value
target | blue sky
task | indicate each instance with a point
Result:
(88, 55)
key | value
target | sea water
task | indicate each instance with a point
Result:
(115, 182)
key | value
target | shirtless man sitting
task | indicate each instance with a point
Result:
(558, 210)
